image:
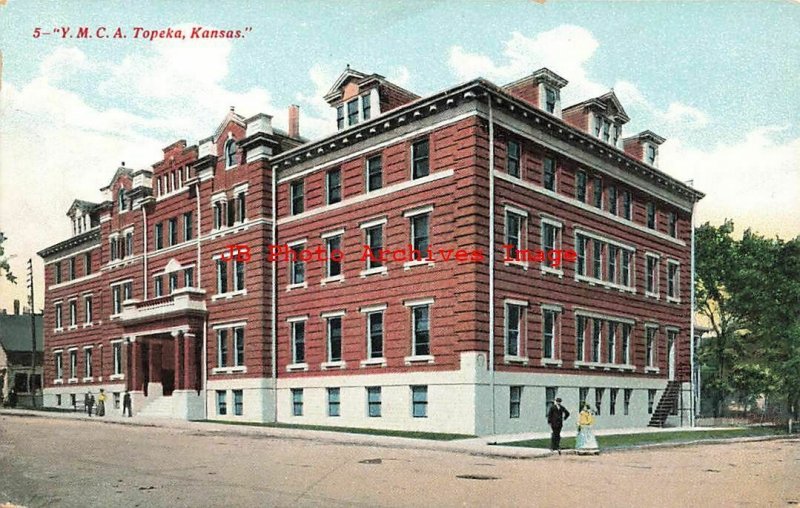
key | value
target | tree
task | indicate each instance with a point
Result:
(5, 268)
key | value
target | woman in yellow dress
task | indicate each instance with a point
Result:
(585, 442)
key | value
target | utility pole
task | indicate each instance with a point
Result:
(32, 378)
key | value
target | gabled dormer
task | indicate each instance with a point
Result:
(644, 147)
(83, 217)
(602, 117)
(541, 89)
(358, 97)
(118, 191)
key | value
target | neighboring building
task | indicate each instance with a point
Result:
(16, 345)
(148, 294)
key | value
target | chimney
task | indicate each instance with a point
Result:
(294, 121)
(16, 307)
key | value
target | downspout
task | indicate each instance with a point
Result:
(491, 263)
(144, 250)
(199, 285)
(274, 296)
(695, 372)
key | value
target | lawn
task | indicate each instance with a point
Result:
(433, 436)
(678, 436)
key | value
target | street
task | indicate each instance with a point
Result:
(51, 462)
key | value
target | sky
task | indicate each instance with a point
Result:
(718, 79)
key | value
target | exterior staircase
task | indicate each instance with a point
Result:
(666, 405)
(158, 408)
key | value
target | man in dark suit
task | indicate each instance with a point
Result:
(556, 416)
(126, 404)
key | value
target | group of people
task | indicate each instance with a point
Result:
(89, 403)
(585, 442)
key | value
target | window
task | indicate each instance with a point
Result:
(375, 334)
(333, 184)
(550, 242)
(222, 277)
(159, 234)
(159, 286)
(352, 112)
(87, 359)
(366, 107)
(187, 226)
(222, 402)
(549, 324)
(116, 355)
(188, 277)
(218, 214)
(222, 348)
(514, 329)
(230, 208)
(238, 275)
(113, 250)
(71, 268)
(298, 341)
(615, 131)
(626, 401)
(241, 207)
(73, 399)
(172, 229)
(580, 186)
(580, 338)
(419, 159)
(597, 259)
(551, 97)
(122, 203)
(514, 401)
(651, 155)
(598, 399)
(611, 343)
(116, 297)
(58, 399)
(626, 343)
(127, 291)
(651, 275)
(73, 312)
(583, 394)
(419, 401)
(298, 266)
(651, 401)
(374, 173)
(612, 401)
(650, 345)
(230, 154)
(512, 161)
(339, 117)
(335, 339)
(374, 238)
(612, 199)
(59, 316)
(238, 405)
(672, 280)
(129, 244)
(87, 309)
(625, 268)
(598, 124)
(73, 364)
(549, 177)
(59, 359)
(611, 272)
(21, 382)
(173, 282)
(651, 215)
(673, 225)
(419, 235)
(514, 223)
(597, 331)
(580, 247)
(296, 197)
(597, 190)
(116, 400)
(297, 402)
(333, 263)
(238, 346)
(421, 330)
(334, 402)
(87, 263)
(374, 401)
(606, 130)
(626, 205)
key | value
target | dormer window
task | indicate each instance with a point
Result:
(551, 98)
(651, 155)
(340, 117)
(121, 199)
(615, 132)
(230, 154)
(366, 107)
(352, 112)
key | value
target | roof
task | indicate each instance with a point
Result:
(603, 102)
(15, 332)
(80, 204)
(361, 78)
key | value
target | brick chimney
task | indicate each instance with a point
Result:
(16, 307)
(294, 121)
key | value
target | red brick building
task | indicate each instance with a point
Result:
(442, 333)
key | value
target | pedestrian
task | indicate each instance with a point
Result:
(585, 442)
(556, 416)
(126, 403)
(88, 402)
(101, 403)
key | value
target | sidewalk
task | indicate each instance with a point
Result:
(486, 446)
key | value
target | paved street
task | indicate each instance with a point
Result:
(52, 462)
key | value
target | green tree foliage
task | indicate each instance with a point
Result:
(749, 290)
(5, 268)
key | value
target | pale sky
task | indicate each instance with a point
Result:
(717, 79)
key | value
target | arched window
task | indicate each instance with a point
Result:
(121, 198)
(230, 153)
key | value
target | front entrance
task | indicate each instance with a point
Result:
(671, 357)
(158, 369)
